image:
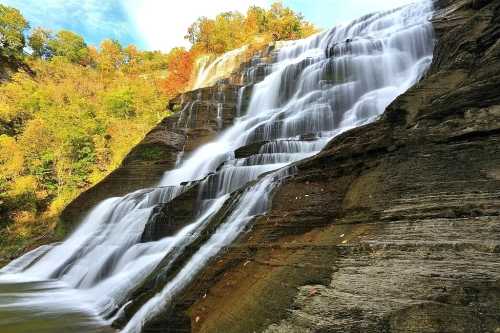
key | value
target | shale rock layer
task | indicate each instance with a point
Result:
(394, 227)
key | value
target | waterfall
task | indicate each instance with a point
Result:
(209, 72)
(316, 89)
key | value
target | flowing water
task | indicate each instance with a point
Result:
(209, 72)
(316, 88)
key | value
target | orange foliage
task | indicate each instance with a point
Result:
(180, 67)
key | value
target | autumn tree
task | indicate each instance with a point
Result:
(180, 67)
(12, 28)
(232, 30)
(38, 41)
(131, 57)
(70, 46)
(256, 21)
(11, 159)
(284, 24)
(111, 55)
(219, 35)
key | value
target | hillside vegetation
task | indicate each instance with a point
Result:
(73, 111)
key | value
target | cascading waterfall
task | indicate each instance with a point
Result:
(317, 88)
(209, 72)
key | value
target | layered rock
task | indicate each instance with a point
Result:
(394, 227)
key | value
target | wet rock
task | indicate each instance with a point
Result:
(478, 4)
(168, 218)
(394, 227)
(249, 150)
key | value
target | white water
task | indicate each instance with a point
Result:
(209, 72)
(318, 88)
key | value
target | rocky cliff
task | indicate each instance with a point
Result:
(394, 227)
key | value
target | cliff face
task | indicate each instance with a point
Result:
(394, 227)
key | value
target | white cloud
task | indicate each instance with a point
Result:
(164, 23)
(95, 19)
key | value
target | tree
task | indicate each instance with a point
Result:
(11, 158)
(285, 24)
(70, 46)
(220, 35)
(38, 41)
(180, 66)
(131, 55)
(200, 31)
(111, 55)
(12, 28)
(120, 103)
(231, 30)
(65, 128)
(256, 21)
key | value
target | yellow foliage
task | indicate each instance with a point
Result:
(25, 185)
(36, 138)
(11, 158)
(23, 221)
(73, 124)
(6, 112)
(231, 30)
(58, 204)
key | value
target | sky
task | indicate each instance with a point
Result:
(162, 24)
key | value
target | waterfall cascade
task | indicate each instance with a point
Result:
(209, 71)
(315, 89)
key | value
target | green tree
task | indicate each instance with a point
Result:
(72, 123)
(120, 103)
(70, 46)
(12, 28)
(285, 24)
(38, 41)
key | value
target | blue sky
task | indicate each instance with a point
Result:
(161, 24)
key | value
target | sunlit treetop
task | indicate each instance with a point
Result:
(12, 28)
(231, 30)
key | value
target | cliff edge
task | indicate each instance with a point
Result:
(394, 227)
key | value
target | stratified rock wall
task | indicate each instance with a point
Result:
(394, 227)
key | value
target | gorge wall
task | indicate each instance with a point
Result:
(394, 227)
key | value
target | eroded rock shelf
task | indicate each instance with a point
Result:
(393, 227)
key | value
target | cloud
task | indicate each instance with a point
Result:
(94, 19)
(163, 24)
